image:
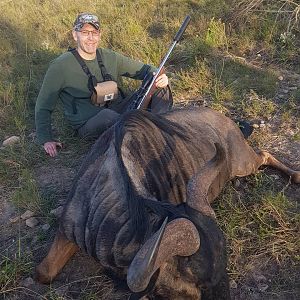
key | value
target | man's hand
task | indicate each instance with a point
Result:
(51, 148)
(161, 81)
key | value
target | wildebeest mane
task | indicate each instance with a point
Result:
(71, 228)
(98, 149)
(139, 207)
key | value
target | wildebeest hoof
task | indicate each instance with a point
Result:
(296, 177)
(42, 274)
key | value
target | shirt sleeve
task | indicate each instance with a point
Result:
(46, 101)
(132, 68)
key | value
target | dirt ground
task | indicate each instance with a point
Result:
(83, 278)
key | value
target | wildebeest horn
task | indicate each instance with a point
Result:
(179, 237)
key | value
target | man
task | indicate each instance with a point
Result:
(69, 79)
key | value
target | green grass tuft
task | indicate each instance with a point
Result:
(11, 271)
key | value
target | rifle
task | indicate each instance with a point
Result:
(144, 93)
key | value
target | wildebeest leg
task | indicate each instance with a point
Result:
(60, 252)
(265, 158)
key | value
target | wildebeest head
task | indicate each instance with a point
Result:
(190, 257)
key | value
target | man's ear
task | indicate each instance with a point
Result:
(74, 33)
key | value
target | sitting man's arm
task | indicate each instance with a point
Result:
(46, 101)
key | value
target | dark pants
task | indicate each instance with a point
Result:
(161, 101)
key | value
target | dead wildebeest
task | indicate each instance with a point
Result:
(146, 168)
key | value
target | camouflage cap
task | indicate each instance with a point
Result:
(86, 18)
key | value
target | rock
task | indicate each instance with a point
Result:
(15, 219)
(262, 125)
(27, 282)
(11, 140)
(57, 211)
(237, 183)
(285, 91)
(262, 122)
(46, 227)
(255, 126)
(27, 214)
(280, 78)
(281, 96)
(32, 222)
(233, 284)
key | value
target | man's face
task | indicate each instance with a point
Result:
(87, 39)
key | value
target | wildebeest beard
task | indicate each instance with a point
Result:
(114, 207)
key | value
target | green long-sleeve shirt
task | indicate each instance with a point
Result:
(65, 80)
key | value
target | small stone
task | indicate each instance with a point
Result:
(276, 177)
(27, 282)
(280, 78)
(32, 135)
(258, 55)
(15, 219)
(32, 222)
(11, 140)
(46, 227)
(27, 214)
(255, 126)
(262, 122)
(293, 88)
(281, 96)
(285, 91)
(237, 183)
(233, 284)
(57, 211)
(262, 125)
(262, 287)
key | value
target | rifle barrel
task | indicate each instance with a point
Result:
(175, 41)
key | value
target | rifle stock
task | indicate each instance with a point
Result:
(153, 88)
